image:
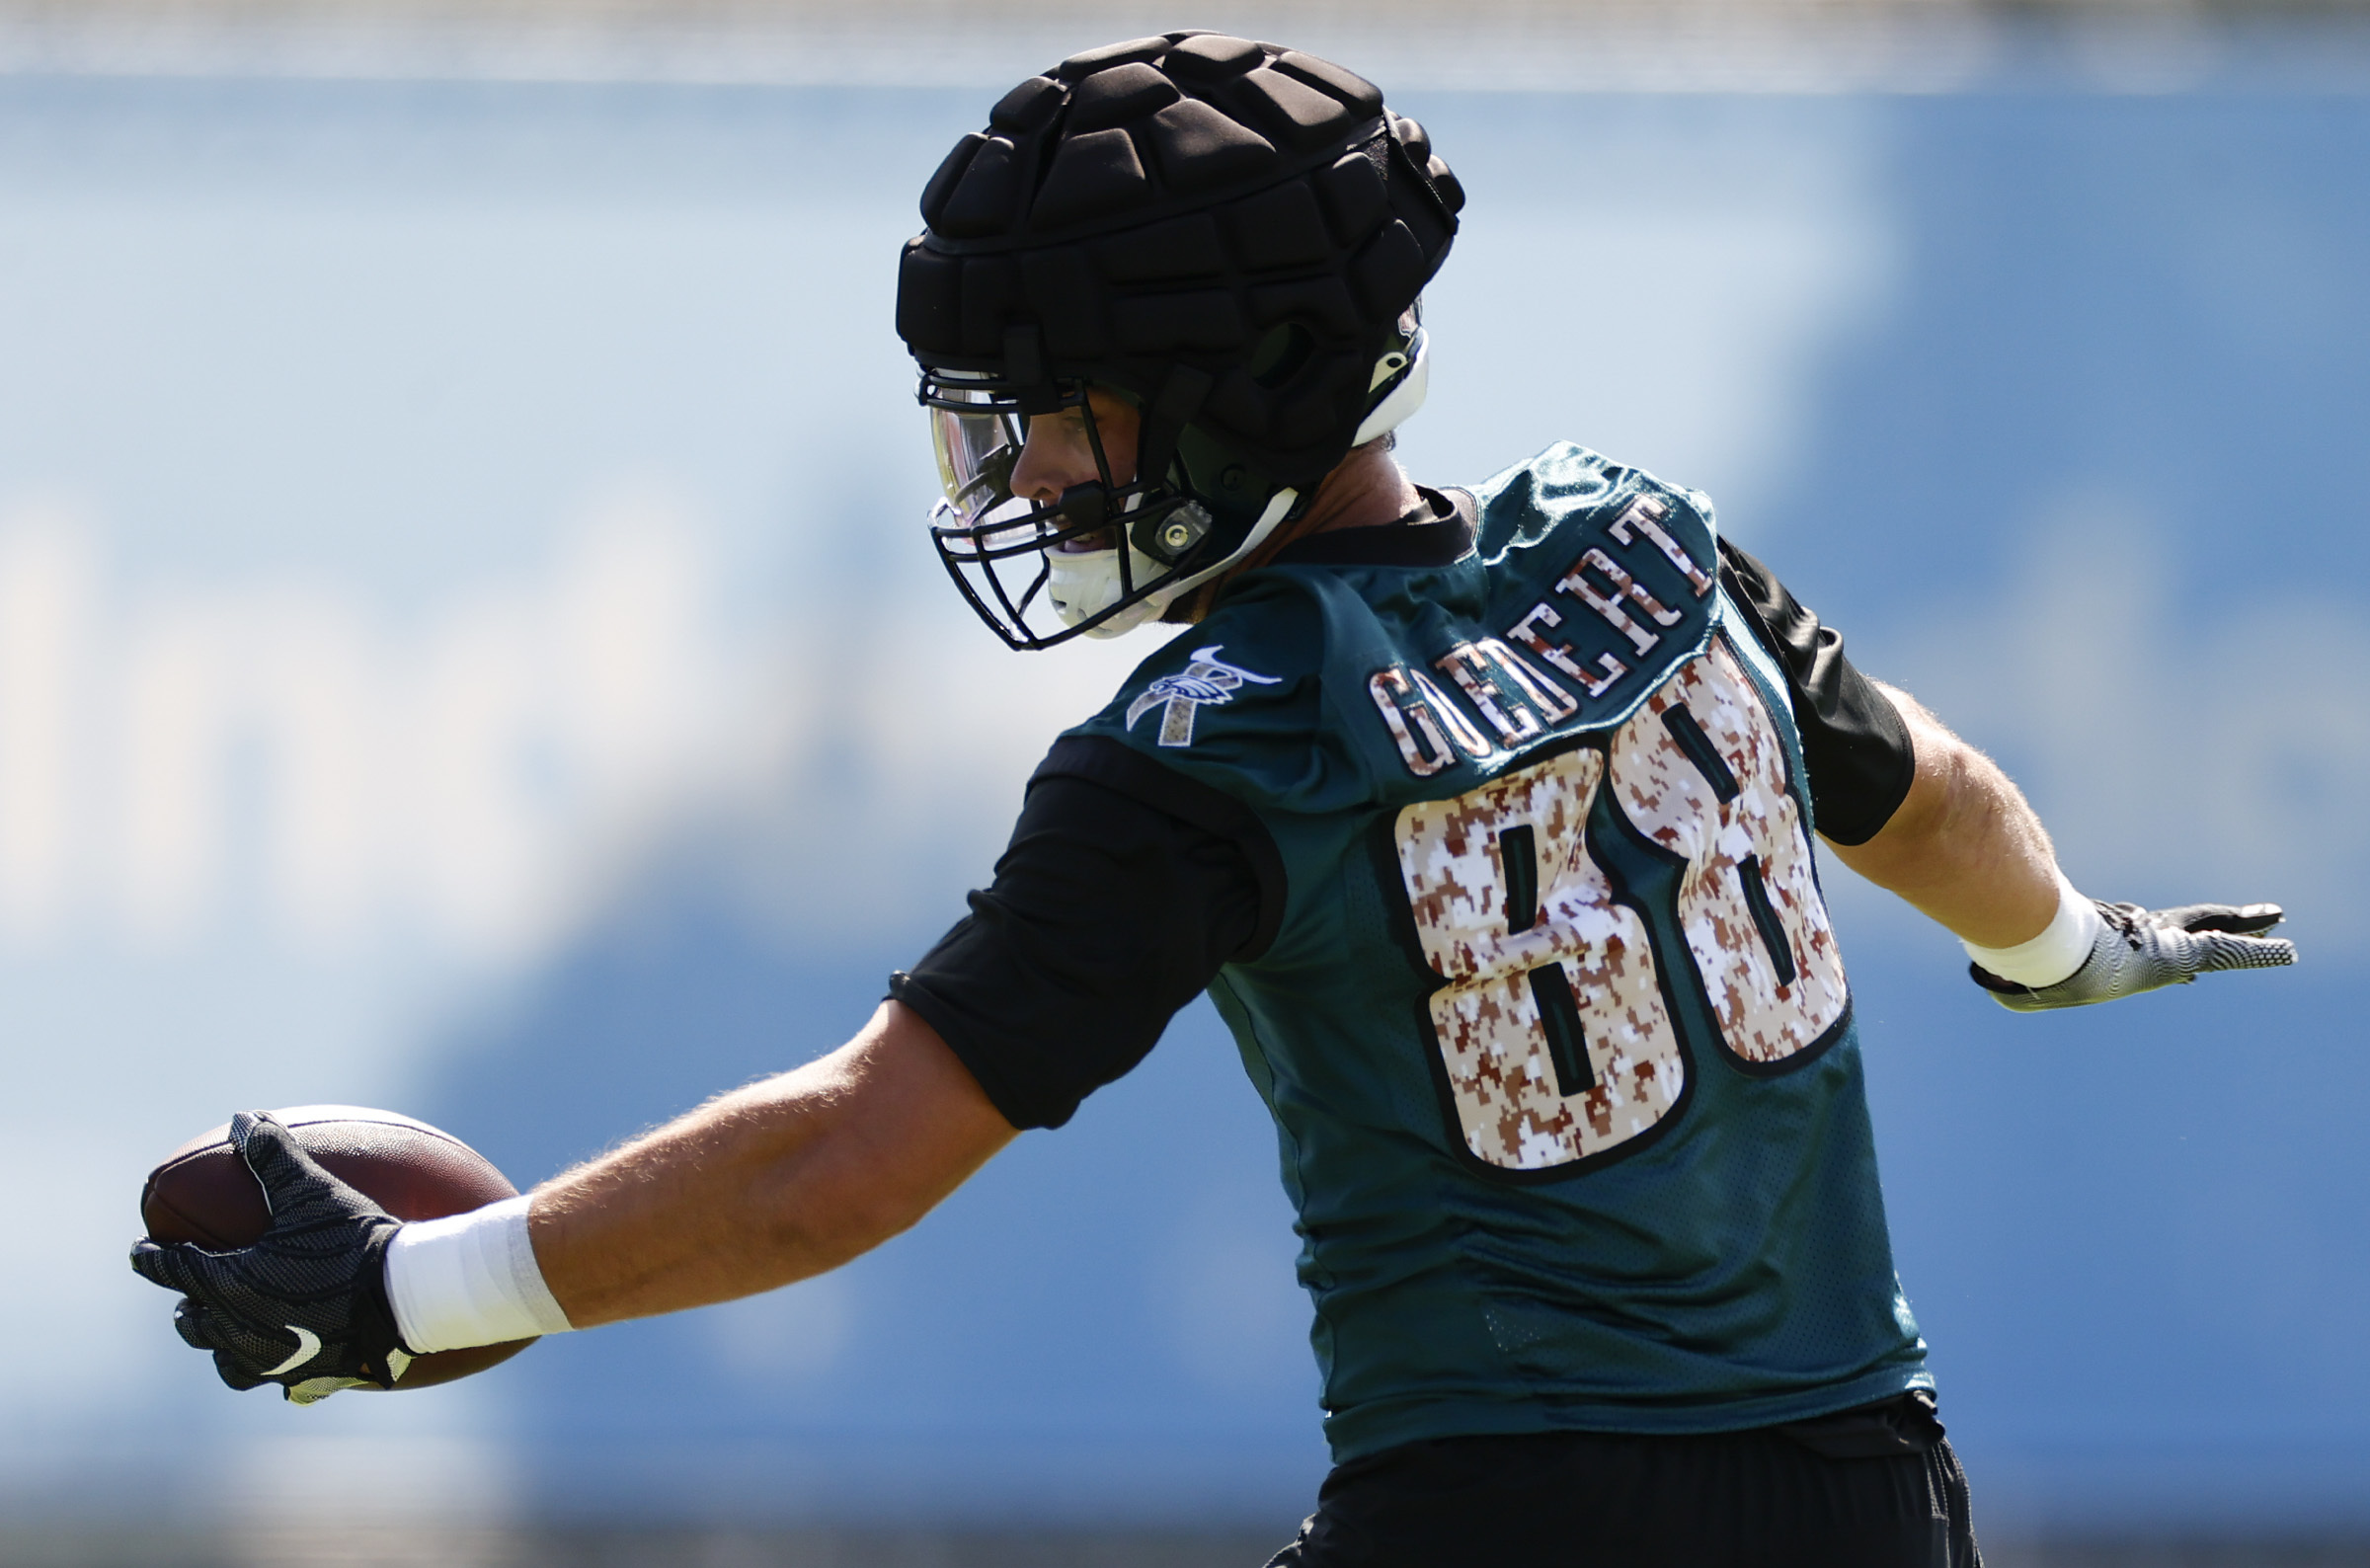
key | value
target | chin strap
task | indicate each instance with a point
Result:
(1280, 506)
(1087, 582)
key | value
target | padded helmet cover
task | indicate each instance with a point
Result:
(1193, 198)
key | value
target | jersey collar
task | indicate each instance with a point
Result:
(1438, 530)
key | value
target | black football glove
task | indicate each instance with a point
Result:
(306, 1305)
(2138, 950)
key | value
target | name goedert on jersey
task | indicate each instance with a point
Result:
(1518, 699)
(1535, 675)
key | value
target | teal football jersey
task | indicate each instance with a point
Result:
(1554, 1029)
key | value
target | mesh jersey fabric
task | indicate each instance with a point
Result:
(1562, 1063)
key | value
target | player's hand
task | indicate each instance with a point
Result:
(2138, 950)
(306, 1305)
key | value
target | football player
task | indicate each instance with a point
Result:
(1483, 816)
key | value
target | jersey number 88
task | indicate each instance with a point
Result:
(1552, 1016)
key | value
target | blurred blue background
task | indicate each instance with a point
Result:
(467, 643)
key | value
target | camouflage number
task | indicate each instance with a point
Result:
(1551, 1024)
(1550, 1021)
(1702, 771)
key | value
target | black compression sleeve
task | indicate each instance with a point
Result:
(1107, 915)
(1854, 744)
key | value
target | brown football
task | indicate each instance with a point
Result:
(204, 1193)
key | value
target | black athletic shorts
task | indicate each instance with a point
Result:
(1876, 1487)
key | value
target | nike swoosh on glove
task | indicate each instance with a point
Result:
(306, 1305)
(2139, 950)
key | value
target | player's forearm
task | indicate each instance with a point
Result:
(771, 1183)
(705, 1209)
(1964, 847)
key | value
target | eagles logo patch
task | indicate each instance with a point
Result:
(1206, 679)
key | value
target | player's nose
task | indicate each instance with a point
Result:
(1050, 463)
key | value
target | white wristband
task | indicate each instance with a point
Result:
(469, 1280)
(2056, 953)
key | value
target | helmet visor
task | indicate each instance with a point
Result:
(977, 446)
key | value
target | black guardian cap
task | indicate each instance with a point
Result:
(1229, 234)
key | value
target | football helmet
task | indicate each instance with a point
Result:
(1227, 236)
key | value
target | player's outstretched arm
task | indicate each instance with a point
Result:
(776, 1182)
(1967, 850)
(771, 1183)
